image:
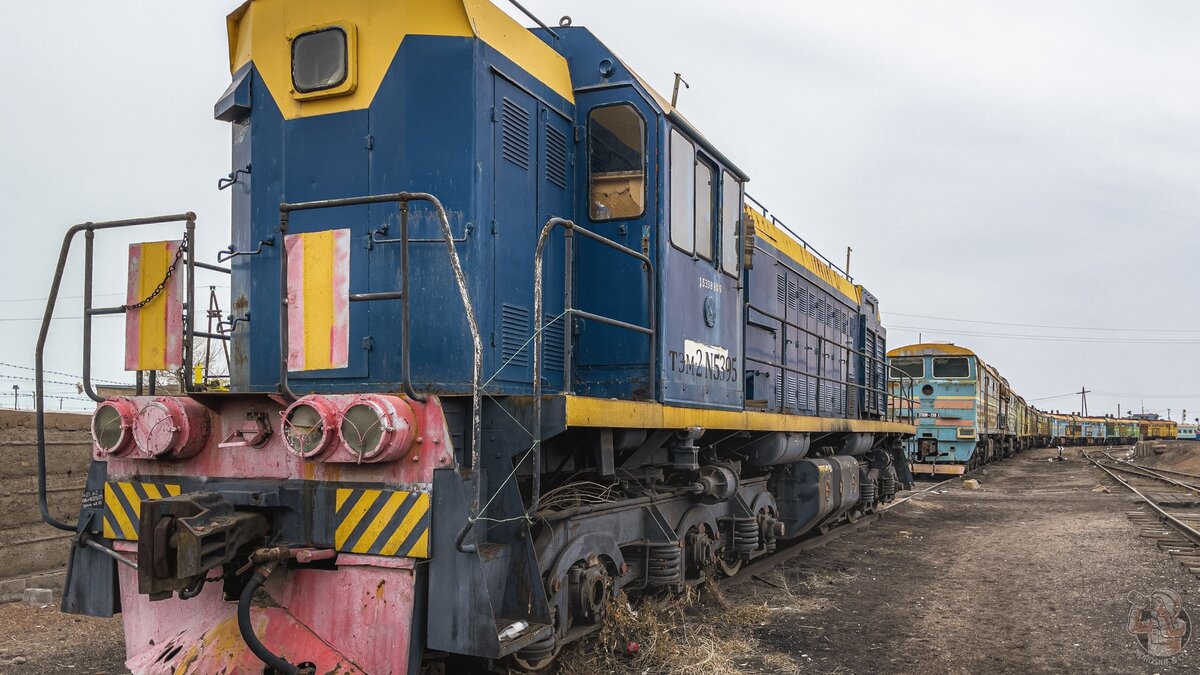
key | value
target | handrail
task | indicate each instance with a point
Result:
(570, 229)
(821, 341)
(402, 199)
(805, 244)
(89, 230)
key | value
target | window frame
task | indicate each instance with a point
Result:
(892, 375)
(349, 84)
(933, 368)
(691, 202)
(736, 238)
(713, 224)
(645, 160)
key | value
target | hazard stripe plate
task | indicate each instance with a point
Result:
(382, 522)
(123, 506)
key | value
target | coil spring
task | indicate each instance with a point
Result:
(889, 487)
(867, 496)
(664, 564)
(745, 535)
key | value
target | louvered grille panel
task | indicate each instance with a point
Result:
(514, 122)
(514, 331)
(556, 157)
(552, 342)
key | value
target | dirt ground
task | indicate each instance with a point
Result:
(1178, 455)
(1031, 573)
(43, 640)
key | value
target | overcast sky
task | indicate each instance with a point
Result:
(1034, 165)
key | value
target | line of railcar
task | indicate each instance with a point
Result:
(507, 341)
(967, 414)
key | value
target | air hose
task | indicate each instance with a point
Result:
(246, 628)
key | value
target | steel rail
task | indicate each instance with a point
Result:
(1185, 529)
(1147, 473)
(1161, 470)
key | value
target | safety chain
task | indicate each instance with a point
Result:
(162, 285)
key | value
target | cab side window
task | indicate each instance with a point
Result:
(616, 163)
(731, 218)
(683, 199)
(704, 211)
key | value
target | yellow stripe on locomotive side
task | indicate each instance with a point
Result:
(382, 522)
(584, 411)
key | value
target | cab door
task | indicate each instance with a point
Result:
(701, 314)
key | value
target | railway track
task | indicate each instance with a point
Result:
(1170, 505)
(754, 569)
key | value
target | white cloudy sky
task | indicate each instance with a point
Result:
(1033, 165)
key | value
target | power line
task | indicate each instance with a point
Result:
(1052, 338)
(38, 318)
(59, 372)
(1038, 325)
(43, 298)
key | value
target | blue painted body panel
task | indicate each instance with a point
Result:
(951, 445)
(455, 118)
(423, 132)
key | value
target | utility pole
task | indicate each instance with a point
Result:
(1118, 411)
(1083, 392)
(848, 252)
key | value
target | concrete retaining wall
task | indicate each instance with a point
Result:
(33, 554)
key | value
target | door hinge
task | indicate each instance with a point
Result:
(578, 134)
(369, 142)
(368, 343)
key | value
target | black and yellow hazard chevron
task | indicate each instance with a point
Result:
(123, 505)
(382, 522)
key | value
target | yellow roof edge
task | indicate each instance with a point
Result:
(796, 252)
(941, 347)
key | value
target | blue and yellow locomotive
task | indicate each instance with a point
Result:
(507, 340)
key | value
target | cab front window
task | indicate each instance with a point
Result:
(912, 367)
(951, 367)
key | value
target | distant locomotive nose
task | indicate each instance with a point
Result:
(378, 428)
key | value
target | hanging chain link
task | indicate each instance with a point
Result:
(162, 285)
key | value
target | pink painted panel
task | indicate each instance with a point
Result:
(365, 612)
(294, 246)
(132, 290)
(137, 326)
(339, 331)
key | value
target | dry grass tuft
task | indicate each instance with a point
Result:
(692, 634)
